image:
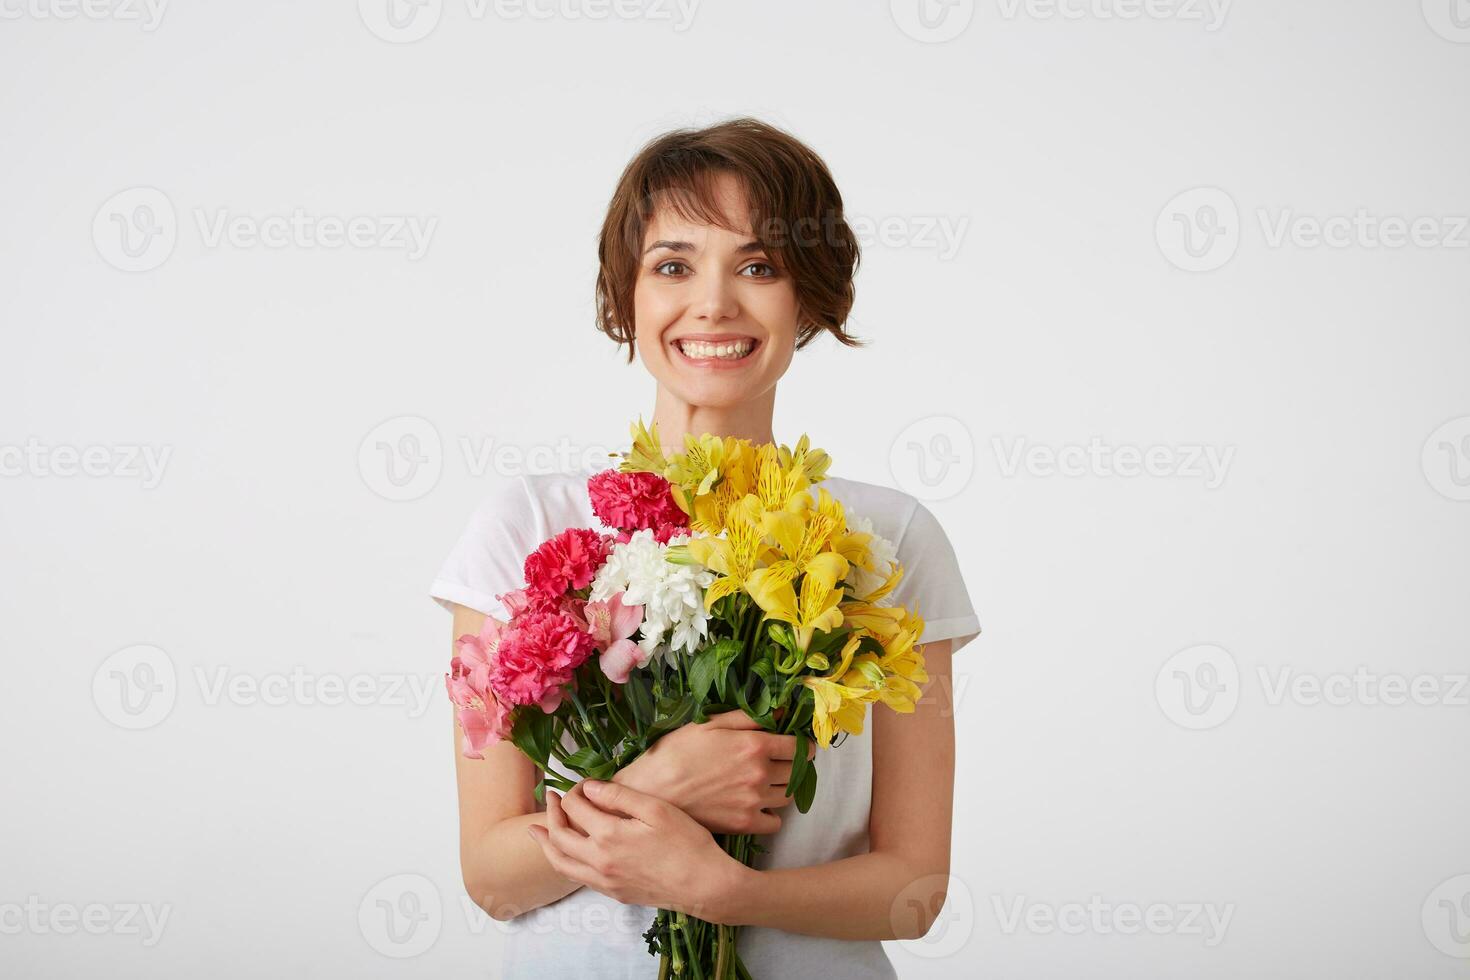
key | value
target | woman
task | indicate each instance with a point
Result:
(723, 252)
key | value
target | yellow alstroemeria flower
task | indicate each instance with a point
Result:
(800, 538)
(735, 556)
(780, 486)
(898, 675)
(881, 621)
(693, 473)
(812, 462)
(814, 608)
(838, 706)
(711, 513)
(647, 455)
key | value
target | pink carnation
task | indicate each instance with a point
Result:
(636, 502)
(565, 562)
(538, 657)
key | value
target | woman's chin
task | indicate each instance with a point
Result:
(720, 393)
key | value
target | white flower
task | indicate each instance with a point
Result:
(672, 595)
(884, 556)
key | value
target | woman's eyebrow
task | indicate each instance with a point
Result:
(751, 246)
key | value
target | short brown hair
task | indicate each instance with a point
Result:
(796, 213)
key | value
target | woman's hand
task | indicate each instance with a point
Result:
(725, 773)
(637, 849)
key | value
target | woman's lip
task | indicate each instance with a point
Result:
(714, 338)
(715, 363)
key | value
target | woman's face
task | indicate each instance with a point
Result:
(715, 319)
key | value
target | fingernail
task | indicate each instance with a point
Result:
(593, 786)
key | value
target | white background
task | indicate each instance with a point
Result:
(1067, 309)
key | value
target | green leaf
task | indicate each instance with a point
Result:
(671, 715)
(531, 733)
(638, 694)
(710, 663)
(583, 760)
(808, 790)
(799, 765)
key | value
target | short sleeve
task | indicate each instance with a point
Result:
(489, 558)
(932, 583)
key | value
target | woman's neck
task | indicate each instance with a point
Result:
(747, 420)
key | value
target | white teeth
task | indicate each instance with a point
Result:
(727, 350)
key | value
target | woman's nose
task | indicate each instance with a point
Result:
(716, 300)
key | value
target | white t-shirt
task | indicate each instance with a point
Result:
(586, 934)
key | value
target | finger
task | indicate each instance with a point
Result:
(765, 823)
(556, 817)
(561, 862)
(567, 838)
(780, 746)
(733, 719)
(774, 797)
(586, 815)
(617, 798)
(777, 773)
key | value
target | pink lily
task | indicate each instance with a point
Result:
(611, 623)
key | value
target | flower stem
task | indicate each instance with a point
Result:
(591, 728)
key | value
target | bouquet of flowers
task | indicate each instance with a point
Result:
(721, 583)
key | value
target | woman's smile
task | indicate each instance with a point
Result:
(719, 351)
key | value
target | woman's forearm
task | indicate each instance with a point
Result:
(868, 896)
(505, 872)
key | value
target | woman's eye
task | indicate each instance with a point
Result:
(671, 268)
(759, 270)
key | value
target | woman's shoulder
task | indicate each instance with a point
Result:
(534, 500)
(891, 510)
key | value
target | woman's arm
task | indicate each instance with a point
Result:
(504, 871)
(635, 848)
(727, 776)
(896, 890)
